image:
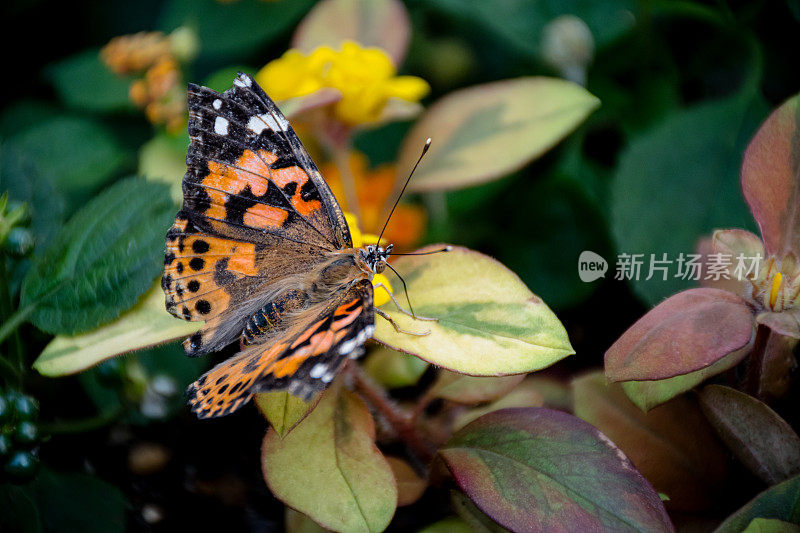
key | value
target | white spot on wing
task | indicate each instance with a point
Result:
(221, 126)
(243, 81)
(259, 123)
(318, 370)
(327, 378)
(347, 346)
(217, 103)
(369, 330)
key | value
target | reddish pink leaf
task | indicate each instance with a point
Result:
(771, 178)
(535, 469)
(686, 332)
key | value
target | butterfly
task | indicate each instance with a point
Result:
(261, 252)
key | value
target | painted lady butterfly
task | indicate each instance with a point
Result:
(262, 253)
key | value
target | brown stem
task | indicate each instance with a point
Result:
(752, 383)
(402, 422)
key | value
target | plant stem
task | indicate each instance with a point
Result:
(14, 321)
(6, 310)
(752, 384)
(403, 422)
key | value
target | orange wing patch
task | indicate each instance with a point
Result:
(265, 216)
(227, 386)
(195, 267)
(254, 170)
(250, 169)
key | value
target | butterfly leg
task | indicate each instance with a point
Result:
(401, 309)
(385, 315)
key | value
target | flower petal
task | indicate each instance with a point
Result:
(786, 323)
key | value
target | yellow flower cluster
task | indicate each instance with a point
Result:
(382, 296)
(159, 90)
(366, 77)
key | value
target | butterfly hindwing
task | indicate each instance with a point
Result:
(303, 362)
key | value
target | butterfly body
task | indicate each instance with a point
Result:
(262, 253)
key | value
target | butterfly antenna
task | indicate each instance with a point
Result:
(447, 248)
(424, 151)
(405, 290)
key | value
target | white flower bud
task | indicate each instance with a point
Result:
(568, 46)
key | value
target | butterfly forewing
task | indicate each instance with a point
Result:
(256, 216)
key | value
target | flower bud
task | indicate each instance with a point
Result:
(568, 46)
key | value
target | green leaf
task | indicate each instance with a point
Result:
(377, 23)
(18, 510)
(779, 502)
(78, 502)
(329, 468)
(283, 410)
(83, 81)
(526, 394)
(690, 160)
(103, 259)
(517, 464)
(410, 486)
(233, 28)
(84, 157)
(487, 131)
(469, 513)
(394, 369)
(20, 115)
(671, 445)
(470, 390)
(163, 159)
(520, 22)
(756, 435)
(21, 178)
(649, 394)
(481, 308)
(556, 222)
(146, 324)
(770, 525)
(448, 525)
(299, 523)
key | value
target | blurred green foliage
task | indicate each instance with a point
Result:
(683, 85)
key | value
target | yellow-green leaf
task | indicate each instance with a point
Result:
(487, 131)
(283, 410)
(329, 467)
(488, 322)
(145, 324)
(394, 369)
(526, 394)
(469, 390)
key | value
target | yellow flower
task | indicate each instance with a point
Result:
(382, 295)
(366, 77)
